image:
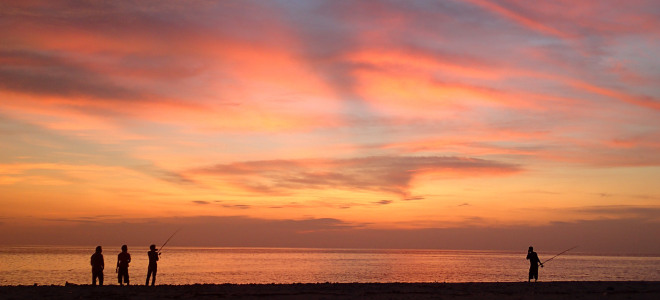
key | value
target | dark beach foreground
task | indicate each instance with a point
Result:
(508, 290)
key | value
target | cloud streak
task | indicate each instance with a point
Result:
(60, 154)
(44, 74)
(382, 174)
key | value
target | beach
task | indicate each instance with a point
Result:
(505, 290)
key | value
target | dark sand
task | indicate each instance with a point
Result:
(509, 290)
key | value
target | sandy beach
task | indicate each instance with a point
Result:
(511, 290)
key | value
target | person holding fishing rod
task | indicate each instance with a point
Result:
(153, 260)
(534, 263)
(153, 264)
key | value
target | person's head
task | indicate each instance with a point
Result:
(152, 247)
(124, 248)
(98, 249)
(531, 249)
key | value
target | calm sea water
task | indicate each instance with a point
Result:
(57, 265)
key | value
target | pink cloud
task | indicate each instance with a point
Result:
(520, 19)
(644, 101)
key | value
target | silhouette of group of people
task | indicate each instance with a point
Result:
(123, 260)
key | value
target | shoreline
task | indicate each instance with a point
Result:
(468, 290)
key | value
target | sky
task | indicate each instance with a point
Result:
(362, 124)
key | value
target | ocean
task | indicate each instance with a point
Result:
(57, 265)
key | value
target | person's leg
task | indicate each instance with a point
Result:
(101, 278)
(153, 279)
(148, 275)
(128, 282)
(93, 278)
(120, 277)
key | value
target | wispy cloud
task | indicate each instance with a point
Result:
(519, 18)
(59, 153)
(380, 173)
(45, 74)
(414, 198)
(237, 206)
(647, 213)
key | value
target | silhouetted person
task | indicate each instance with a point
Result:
(534, 263)
(153, 264)
(97, 266)
(123, 259)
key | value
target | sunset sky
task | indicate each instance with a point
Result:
(404, 124)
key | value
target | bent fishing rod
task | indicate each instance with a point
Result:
(560, 253)
(171, 236)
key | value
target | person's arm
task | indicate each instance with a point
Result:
(102, 263)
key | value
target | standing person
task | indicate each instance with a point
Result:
(123, 259)
(534, 263)
(153, 264)
(97, 266)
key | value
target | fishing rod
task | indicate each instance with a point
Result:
(560, 253)
(161, 247)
